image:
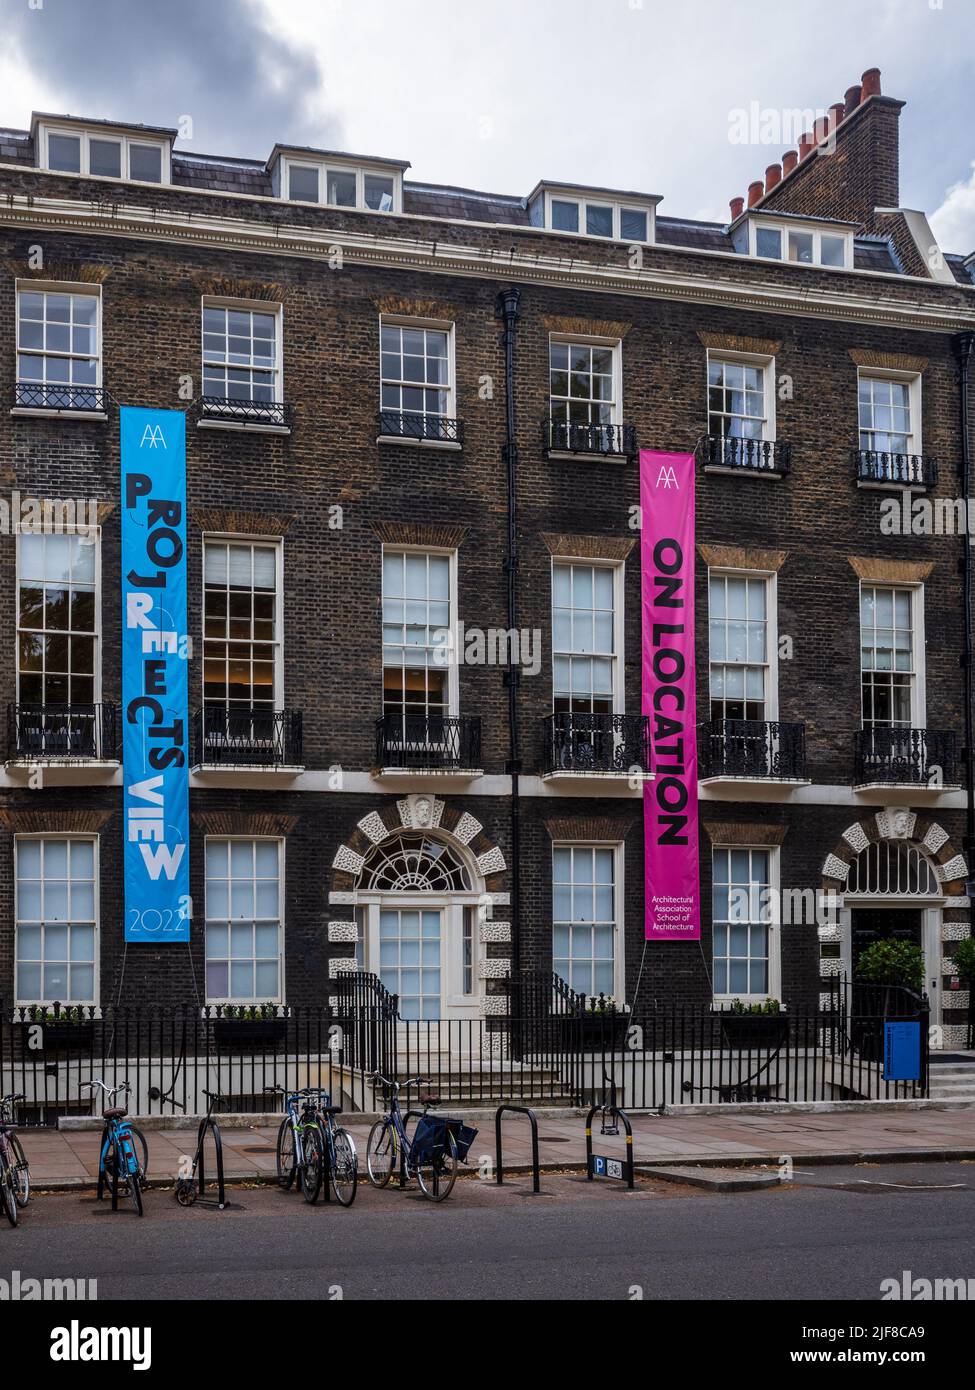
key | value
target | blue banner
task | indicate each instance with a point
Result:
(155, 693)
(902, 1052)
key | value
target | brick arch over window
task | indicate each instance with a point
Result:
(897, 824)
(418, 813)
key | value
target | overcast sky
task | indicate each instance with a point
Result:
(633, 94)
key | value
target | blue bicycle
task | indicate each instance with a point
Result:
(430, 1155)
(124, 1154)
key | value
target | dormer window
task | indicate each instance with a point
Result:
(103, 154)
(796, 242)
(581, 213)
(337, 183)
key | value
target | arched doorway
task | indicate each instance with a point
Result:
(417, 897)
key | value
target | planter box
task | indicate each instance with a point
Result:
(595, 1032)
(61, 1036)
(752, 1030)
(244, 1033)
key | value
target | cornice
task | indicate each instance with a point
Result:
(436, 257)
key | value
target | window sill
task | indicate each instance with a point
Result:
(448, 445)
(586, 456)
(890, 485)
(761, 473)
(52, 413)
(247, 426)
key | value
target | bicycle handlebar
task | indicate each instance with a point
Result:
(109, 1090)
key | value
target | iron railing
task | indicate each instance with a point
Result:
(62, 731)
(573, 437)
(406, 424)
(37, 395)
(428, 742)
(246, 737)
(663, 1055)
(753, 748)
(596, 743)
(746, 455)
(905, 757)
(246, 412)
(905, 470)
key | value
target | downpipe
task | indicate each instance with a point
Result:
(507, 311)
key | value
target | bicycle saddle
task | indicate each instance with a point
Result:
(429, 1100)
(331, 1109)
(117, 1112)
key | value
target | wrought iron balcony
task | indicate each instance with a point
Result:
(246, 737)
(745, 455)
(899, 470)
(428, 742)
(596, 743)
(905, 757)
(65, 732)
(610, 441)
(230, 409)
(753, 749)
(39, 395)
(420, 428)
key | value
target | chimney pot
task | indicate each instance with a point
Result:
(756, 191)
(852, 99)
(806, 146)
(821, 129)
(789, 161)
(871, 84)
(836, 114)
(737, 206)
(773, 175)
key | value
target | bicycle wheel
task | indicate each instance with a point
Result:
(141, 1152)
(382, 1150)
(286, 1155)
(21, 1172)
(438, 1174)
(345, 1167)
(311, 1169)
(135, 1192)
(7, 1189)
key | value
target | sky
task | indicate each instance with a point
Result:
(685, 99)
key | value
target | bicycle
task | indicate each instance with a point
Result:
(430, 1155)
(341, 1159)
(300, 1148)
(124, 1155)
(188, 1189)
(14, 1172)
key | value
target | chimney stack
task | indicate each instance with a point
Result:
(737, 206)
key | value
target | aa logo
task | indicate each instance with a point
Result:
(667, 478)
(153, 436)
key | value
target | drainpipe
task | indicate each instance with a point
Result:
(964, 345)
(507, 311)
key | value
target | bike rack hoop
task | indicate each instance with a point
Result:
(533, 1119)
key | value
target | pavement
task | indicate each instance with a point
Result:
(66, 1159)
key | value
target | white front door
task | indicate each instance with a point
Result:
(424, 950)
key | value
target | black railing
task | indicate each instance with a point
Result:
(746, 455)
(905, 470)
(246, 737)
(36, 395)
(905, 757)
(406, 424)
(569, 437)
(428, 742)
(596, 743)
(246, 412)
(62, 731)
(753, 748)
(558, 1055)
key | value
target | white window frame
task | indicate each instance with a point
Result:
(617, 567)
(771, 634)
(340, 166)
(919, 713)
(584, 199)
(619, 912)
(774, 925)
(583, 340)
(95, 841)
(259, 306)
(65, 287)
(436, 326)
(453, 666)
(766, 366)
(281, 843)
(913, 382)
(269, 542)
(85, 134)
(817, 230)
(96, 540)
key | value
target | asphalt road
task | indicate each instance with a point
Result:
(834, 1233)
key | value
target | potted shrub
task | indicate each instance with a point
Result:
(71, 1027)
(603, 1024)
(764, 1024)
(887, 968)
(249, 1025)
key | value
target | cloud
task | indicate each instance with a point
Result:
(954, 222)
(242, 84)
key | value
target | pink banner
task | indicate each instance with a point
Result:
(672, 885)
